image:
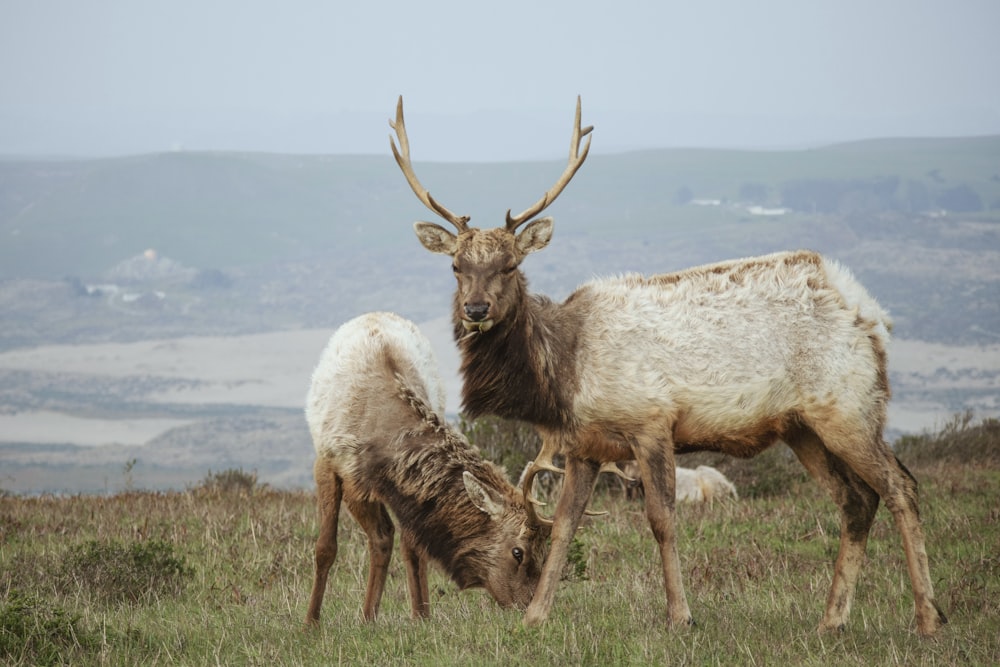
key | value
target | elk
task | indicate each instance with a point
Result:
(729, 357)
(374, 412)
(694, 485)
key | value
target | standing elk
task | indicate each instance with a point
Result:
(728, 357)
(374, 411)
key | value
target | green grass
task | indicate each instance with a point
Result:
(223, 573)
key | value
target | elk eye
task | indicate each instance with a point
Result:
(518, 554)
(454, 269)
(509, 270)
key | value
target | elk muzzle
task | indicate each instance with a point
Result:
(476, 317)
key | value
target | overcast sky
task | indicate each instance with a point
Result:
(488, 81)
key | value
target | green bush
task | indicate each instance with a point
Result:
(35, 632)
(961, 440)
(115, 572)
(506, 442)
(576, 562)
(231, 480)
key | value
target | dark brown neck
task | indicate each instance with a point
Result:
(523, 367)
(433, 506)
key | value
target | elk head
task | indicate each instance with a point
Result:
(509, 556)
(486, 262)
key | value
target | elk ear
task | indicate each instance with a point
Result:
(482, 497)
(435, 237)
(535, 236)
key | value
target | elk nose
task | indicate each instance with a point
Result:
(477, 311)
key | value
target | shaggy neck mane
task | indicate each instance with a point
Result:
(422, 484)
(522, 368)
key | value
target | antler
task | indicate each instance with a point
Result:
(575, 161)
(402, 155)
(544, 462)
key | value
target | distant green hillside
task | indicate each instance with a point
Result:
(221, 210)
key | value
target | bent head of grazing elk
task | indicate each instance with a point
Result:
(374, 412)
(731, 357)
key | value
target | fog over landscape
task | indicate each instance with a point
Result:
(489, 82)
(194, 195)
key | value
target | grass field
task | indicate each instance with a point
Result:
(220, 574)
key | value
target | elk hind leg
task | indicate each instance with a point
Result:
(858, 503)
(657, 469)
(905, 511)
(879, 467)
(329, 492)
(377, 524)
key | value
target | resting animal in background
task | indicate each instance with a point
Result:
(694, 485)
(374, 411)
(729, 357)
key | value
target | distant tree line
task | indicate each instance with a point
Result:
(875, 195)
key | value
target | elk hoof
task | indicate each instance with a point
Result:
(533, 619)
(929, 627)
(684, 622)
(839, 628)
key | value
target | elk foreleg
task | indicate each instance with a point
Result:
(577, 488)
(329, 492)
(657, 469)
(377, 524)
(416, 578)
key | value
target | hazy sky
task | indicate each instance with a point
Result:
(486, 81)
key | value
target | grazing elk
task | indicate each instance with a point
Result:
(374, 412)
(694, 485)
(729, 357)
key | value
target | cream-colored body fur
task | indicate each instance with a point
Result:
(337, 406)
(707, 356)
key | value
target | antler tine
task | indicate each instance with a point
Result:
(402, 155)
(542, 462)
(614, 470)
(576, 159)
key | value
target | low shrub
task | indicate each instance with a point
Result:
(115, 572)
(36, 632)
(962, 439)
(230, 481)
(576, 562)
(506, 442)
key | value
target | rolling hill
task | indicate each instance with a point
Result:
(227, 210)
(172, 264)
